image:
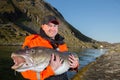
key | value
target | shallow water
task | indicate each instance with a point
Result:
(87, 56)
(6, 73)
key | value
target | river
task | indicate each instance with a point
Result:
(6, 73)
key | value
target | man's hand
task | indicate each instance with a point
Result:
(73, 62)
(55, 62)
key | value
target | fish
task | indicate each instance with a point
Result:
(38, 58)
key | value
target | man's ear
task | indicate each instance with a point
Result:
(43, 26)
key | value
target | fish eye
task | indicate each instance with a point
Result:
(32, 50)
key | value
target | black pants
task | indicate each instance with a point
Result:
(58, 77)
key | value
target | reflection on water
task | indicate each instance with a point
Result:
(85, 56)
(89, 55)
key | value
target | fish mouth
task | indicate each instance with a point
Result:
(18, 61)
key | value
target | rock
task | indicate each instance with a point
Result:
(106, 67)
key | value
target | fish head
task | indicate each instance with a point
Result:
(22, 59)
(36, 58)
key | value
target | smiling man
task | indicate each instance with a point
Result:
(49, 38)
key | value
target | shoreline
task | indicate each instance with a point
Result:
(106, 67)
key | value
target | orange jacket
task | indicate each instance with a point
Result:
(33, 41)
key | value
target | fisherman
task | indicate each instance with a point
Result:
(49, 38)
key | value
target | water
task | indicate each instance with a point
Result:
(89, 55)
(85, 56)
(6, 73)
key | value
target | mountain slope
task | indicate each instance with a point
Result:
(19, 18)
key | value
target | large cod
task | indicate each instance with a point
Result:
(38, 58)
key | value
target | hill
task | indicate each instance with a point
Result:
(19, 18)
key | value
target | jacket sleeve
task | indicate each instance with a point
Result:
(27, 41)
(63, 48)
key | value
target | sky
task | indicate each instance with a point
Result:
(97, 19)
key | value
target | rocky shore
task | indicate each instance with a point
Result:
(106, 67)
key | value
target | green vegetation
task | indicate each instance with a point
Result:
(19, 18)
(11, 34)
(6, 6)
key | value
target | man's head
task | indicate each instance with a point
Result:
(50, 25)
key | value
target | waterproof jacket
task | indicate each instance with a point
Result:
(37, 40)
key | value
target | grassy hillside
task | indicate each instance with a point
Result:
(19, 18)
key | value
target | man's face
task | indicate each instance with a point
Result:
(50, 29)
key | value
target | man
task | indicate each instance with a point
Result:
(49, 38)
